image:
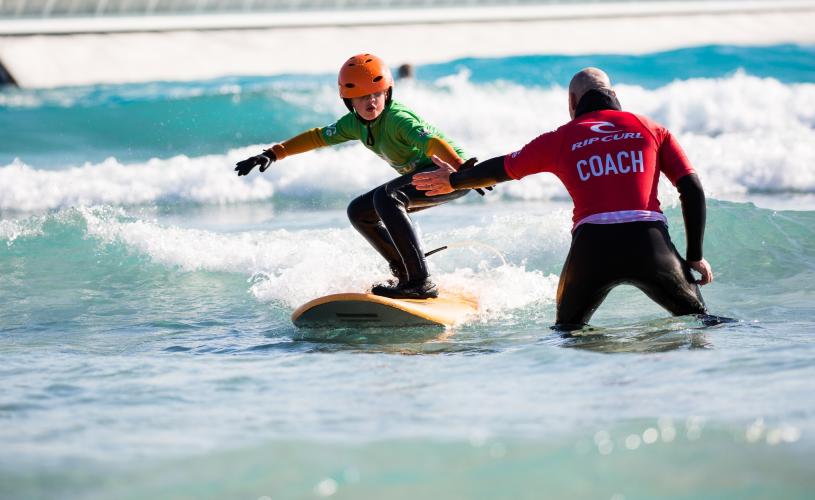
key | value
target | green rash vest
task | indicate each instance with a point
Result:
(400, 137)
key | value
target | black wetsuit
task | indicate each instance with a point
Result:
(641, 254)
(381, 216)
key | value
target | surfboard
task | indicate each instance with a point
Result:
(367, 310)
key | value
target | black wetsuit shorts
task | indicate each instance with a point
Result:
(641, 254)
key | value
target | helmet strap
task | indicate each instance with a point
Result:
(370, 139)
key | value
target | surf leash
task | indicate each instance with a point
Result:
(469, 243)
(435, 250)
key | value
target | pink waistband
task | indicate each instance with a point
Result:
(622, 216)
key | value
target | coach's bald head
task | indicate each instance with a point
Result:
(584, 80)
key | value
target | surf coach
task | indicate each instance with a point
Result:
(610, 161)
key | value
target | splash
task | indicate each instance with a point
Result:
(290, 267)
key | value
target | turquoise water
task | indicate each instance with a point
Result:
(145, 335)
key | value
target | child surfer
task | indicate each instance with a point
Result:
(407, 143)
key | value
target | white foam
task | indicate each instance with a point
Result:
(11, 230)
(503, 289)
(206, 179)
(738, 103)
(743, 134)
(291, 267)
(754, 161)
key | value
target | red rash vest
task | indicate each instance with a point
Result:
(609, 162)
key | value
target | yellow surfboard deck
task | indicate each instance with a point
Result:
(368, 310)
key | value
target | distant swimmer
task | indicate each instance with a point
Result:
(406, 142)
(610, 161)
(405, 71)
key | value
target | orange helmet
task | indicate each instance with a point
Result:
(364, 74)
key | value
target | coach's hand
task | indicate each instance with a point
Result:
(703, 268)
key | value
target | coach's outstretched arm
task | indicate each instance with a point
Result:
(470, 175)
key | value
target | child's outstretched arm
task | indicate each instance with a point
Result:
(308, 140)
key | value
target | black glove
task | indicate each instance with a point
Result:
(471, 163)
(263, 160)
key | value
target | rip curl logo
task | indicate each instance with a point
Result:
(601, 127)
(331, 130)
(611, 137)
(515, 154)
